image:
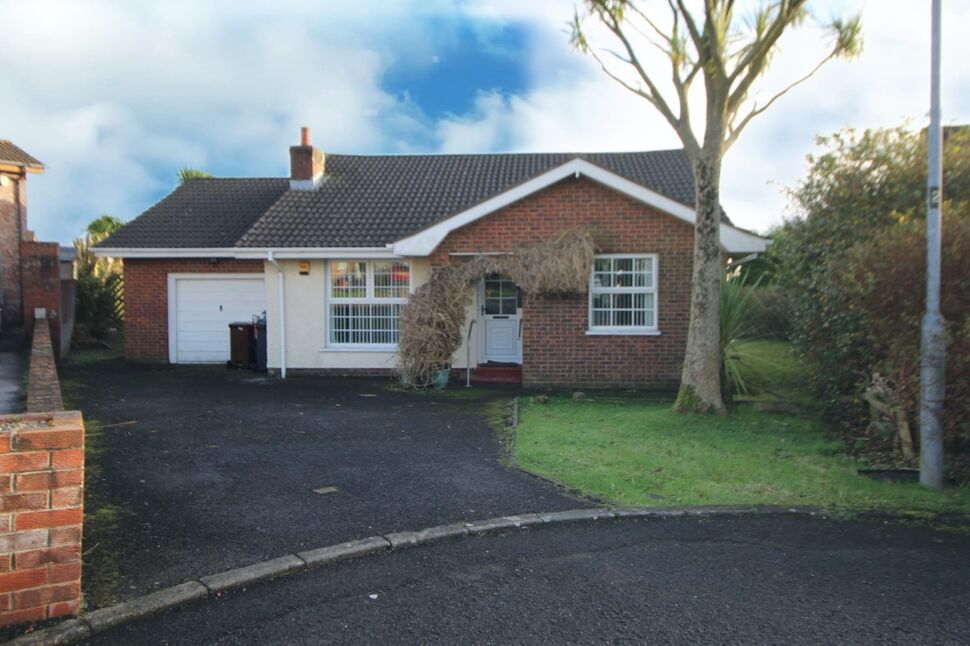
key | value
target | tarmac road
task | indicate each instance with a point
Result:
(768, 580)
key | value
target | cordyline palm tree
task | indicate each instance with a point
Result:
(85, 260)
(98, 279)
(707, 41)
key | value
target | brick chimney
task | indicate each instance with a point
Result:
(306, 164)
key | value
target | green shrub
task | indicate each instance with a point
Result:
(770, 313)
(97, 304)
(883, 283)
(736, 327)
(861, 186)
(99, 283)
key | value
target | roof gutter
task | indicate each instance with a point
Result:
(281, 292)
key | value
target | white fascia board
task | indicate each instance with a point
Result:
(737, 241)
(425, 242)
(247, 253)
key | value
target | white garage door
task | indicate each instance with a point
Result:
(202, 309)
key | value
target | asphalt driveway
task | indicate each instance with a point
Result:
(197, 470)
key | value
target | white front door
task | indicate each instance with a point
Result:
(202, 306)
(501, 320)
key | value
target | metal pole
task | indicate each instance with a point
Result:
(468, 355)
(933, 360)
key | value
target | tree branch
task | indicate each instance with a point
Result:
(761, 46)
(750, 67)
(656, 96)
(651, 23)
(734, 131)
(695, 34)
(632, 88)
(678, 58)
(716, 25)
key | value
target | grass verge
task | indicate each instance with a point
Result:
(639, 452)
(102, 538)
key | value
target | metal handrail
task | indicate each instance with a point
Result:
(468, 354)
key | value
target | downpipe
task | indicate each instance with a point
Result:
(281, 292)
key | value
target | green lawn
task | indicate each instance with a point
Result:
(771, 370)
(638, 452)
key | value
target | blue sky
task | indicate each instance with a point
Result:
(468, 57)
(115, 96)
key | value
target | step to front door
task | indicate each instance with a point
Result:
(505, 374)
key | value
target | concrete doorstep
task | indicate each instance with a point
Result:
(97, 621)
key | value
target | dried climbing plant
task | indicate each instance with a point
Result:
(433, 321)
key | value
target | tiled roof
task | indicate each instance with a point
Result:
(203, 212)
(369, 201)
(12, 154)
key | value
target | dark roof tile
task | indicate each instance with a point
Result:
(370, 201)
(203, 212)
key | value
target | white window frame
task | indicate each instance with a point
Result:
(625, 330)
(369, 299)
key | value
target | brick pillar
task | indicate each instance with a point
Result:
(41, 511)
(41, 273)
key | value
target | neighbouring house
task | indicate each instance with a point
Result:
(332, 253)
(32, 274)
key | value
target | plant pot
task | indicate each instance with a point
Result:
(439, 378)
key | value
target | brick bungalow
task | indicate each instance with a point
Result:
(332, 253)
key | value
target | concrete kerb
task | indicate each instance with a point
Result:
(243, 576)
(105, 618)
(98, 621)
(344, 551)
(66, 632)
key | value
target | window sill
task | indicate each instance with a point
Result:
(359, 348)
(623, 332)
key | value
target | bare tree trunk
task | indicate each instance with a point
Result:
(700, 382)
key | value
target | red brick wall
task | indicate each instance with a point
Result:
(11, 233)
(43, 386)
(41, 511)
(40, 264)
(556, 349)
(41, 499)
(146, 299)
